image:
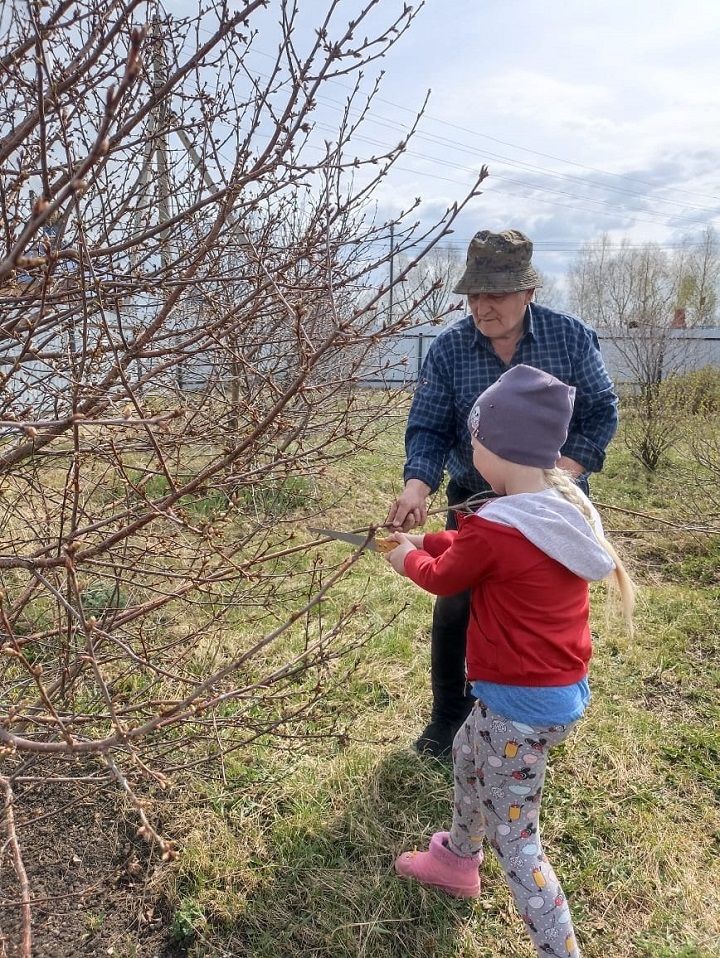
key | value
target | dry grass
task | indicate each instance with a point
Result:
(289, 853)
(287, 845)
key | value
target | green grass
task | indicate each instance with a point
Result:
(287, 851)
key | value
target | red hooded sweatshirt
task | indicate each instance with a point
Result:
(529, 600)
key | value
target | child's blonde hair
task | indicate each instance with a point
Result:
(561, 481)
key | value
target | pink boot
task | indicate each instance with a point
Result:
(441, 868)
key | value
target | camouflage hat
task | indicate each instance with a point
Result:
(498, 263)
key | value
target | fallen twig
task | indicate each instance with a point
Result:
(19, 866)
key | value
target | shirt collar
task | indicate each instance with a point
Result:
(529, 322)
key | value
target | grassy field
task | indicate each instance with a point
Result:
(289, 852)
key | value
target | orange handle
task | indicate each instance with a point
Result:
(386, 545)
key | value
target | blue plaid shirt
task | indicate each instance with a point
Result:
(461, 363)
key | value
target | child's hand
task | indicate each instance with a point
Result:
(416, 538)
(396, 558)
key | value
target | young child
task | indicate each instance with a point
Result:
(527, 557)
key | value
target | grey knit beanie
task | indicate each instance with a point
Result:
(524, 417)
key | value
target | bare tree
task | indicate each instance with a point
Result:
(430, 286)
(190, 288)
(698, 268)
(630, 294)
(622, 287)
(550, 293)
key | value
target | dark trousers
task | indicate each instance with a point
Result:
(452, 700)
(451, 696)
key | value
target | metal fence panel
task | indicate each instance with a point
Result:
(398, 360)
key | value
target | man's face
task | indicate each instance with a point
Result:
(500, 315)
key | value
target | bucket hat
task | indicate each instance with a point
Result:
(499, 263)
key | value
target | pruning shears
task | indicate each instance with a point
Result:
(373, 543)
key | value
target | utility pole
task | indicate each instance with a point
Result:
(159, 61)
(157, 149)
(161, 113)
(392, 273)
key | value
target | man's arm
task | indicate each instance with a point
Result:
(571, 466)
(595, 416)
(428, 438)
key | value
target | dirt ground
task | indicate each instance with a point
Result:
(89, 877)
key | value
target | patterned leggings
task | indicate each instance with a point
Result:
(499, 768)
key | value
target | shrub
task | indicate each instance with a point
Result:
(695, 393)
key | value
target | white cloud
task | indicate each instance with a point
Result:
(615, 88)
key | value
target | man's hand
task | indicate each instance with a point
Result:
(396, 558)
(572, 466)
(409, 509)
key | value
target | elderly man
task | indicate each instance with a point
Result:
(502, 330)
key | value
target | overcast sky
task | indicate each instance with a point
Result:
(592, 116)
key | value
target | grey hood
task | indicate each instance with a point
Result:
(555, 526)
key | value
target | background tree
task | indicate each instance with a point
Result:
(698, 267)
(551, 294)
(429, 285)
(630, 294)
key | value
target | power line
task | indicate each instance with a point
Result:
(550, 156)
(540, 247)
(461, 246)
(514, 146)
(660, 218)
(443, 141)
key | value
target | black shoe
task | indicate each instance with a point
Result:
(437, 739)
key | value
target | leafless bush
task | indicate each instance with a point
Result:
(700, 470)
(630, 294)
(651, 429)
(188, 298)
